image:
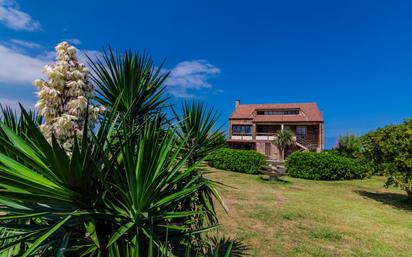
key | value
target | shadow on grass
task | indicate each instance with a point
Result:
(276, 181)
(399, 201)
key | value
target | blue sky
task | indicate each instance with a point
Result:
(354, 58)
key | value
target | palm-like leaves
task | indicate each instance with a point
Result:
(197, 132)
(197, 123)
(132, 80)
(283, 139)
(129, 188)
(14, 121)
(103, 200)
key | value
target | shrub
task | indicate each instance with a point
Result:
(245, 161)
(389, 149)
(325, 166)
(348, 145)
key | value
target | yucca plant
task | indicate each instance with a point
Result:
(198, 123)
(15, 121)
(131, 79)
(126, 188)
(102, 201)
(197, 131)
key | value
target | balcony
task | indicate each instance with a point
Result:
(242, 136)
(265, 136)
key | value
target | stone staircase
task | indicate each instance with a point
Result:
(274, 169)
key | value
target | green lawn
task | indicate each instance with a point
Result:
(297, 217)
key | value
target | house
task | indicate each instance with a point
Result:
(253, 126)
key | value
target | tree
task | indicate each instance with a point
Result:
(283, 139)
(389, 149)
(348, 145)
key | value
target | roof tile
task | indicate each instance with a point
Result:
(309, 112)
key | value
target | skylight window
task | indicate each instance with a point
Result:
(278, 112)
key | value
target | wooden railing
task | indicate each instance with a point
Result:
(305, 143)
(301, 141)
(242, 136)
(265, 136)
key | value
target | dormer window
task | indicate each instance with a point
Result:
(278, 112)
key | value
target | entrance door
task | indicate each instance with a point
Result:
(267, 149)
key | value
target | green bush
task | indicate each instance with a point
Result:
(389, 150)
(245, 161)
(348, 145)
(325, 166)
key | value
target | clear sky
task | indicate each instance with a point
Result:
(354, 58)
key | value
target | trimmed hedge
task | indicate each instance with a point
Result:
(245, 161)
(325, 166)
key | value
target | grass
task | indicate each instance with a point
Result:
(324, 234)
(296, 217)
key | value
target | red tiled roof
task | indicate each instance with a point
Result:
(309, 112)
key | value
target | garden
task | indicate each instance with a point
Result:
(106, 166)
(353, 200)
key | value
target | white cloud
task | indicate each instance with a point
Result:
(13, 18)
(17, 67)
(25, 44)
(74, 41)
(93, 54)
(190, 75)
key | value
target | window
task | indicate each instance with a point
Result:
(278, 112)
(242, 129)
(301, 131)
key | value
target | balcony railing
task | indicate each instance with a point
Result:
(265, 136)
(306, 143)
(242, 136)
(301, 141)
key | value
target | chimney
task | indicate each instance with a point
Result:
(237, 103)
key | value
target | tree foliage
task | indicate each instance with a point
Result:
(348, 145)
(283, 139)
(389, 149)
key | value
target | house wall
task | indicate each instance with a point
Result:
(261, 148)
(314, 136)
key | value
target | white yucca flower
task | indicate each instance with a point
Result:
(64, 99)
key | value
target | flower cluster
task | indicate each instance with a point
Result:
(64, 100)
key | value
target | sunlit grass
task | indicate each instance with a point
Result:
(296, 217)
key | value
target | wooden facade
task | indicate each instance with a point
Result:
(254, 127)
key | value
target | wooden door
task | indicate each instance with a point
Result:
(267, 149)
